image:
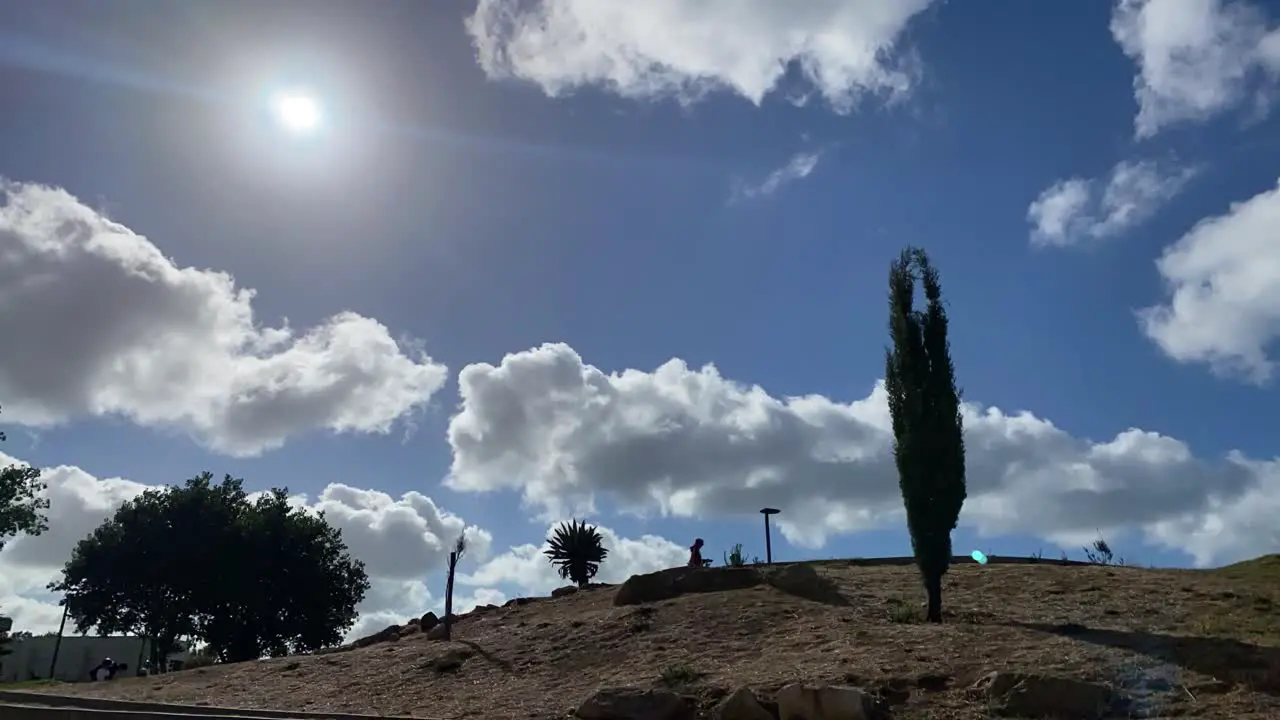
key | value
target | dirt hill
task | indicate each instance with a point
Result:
(1166, 643)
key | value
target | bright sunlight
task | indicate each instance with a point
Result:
(296, 112)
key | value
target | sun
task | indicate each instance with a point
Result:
(296, 112)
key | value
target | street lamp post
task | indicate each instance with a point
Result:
(768, 542)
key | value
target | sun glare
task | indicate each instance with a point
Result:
(297, 113)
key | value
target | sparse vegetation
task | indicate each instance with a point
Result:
(679, 675)
(734, 557)
(576, 549)
(1036, 556)
(903, 612)
(928, 432)
(1102, 554)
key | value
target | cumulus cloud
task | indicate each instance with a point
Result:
(799, 167)
(403, 541)
(525, 566)
(1077, 210)
(1223, 281)
(105, 324)
(1195, 58)
(844, 49)
(692, 443)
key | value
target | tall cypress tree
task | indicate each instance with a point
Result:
(928, 432)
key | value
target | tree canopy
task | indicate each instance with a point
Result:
(247, 578)
(22, 502)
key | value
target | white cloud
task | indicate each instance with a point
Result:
(1076, 210)
(1195, 57)
(1223, 278)
(525, 566)
(398, 538)
(661, 48)
(106, 324)
(403, 541)
(692, 443)
(799, 167)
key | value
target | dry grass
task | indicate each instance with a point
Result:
(1214, 636)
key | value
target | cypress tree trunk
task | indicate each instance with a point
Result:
(933, 597)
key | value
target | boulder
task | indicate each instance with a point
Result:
(428, 621)
(562, 591)
(635, 704)
(674, 582)
(451, 660)
(804, 702)
(391, 632)
(516, 602)
(1043, 696)
(741, 704)
(803, 581)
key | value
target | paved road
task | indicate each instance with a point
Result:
(16, 705)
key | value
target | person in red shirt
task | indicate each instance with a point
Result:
(695, 554)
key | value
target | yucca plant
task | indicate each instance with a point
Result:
(576, 549)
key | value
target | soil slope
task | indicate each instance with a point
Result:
(1177, 642)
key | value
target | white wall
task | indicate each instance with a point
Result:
(31, 657)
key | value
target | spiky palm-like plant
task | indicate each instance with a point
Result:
(576, 549)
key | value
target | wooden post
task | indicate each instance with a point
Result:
(57, 644)
(448, 598)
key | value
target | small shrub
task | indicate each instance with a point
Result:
(1101, 554)
(735, 558)
(679, 674)
(1064, 559)
(904, 613)
(641, 620)
(1036, 556)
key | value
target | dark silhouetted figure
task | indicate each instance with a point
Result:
(108, 667)
(695, 554)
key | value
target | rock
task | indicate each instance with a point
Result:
(450, 661)
(436, 633)
(428, 621)
(804, 581)
(411, 628)
(391, 632)
(562, 591)
(635, 704)
(674, 582)
(1043, 696)
(514, 602)
(741, 704)
(803, 702)
(480, 609)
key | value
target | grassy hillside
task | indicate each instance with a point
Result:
(1174, 642)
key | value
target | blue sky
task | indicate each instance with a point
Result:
(527, 210)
